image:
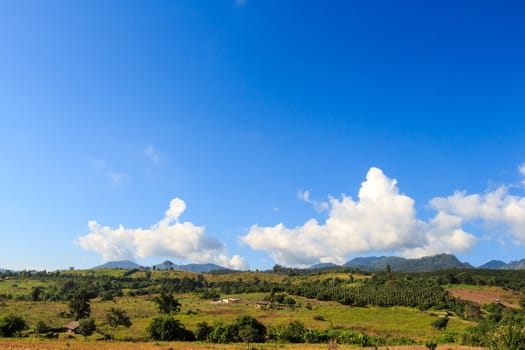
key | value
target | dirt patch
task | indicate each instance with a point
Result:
(481, 297)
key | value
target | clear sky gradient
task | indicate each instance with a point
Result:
(280, 126)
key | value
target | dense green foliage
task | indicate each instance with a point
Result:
(167, 303)
(12, 325)
(116, 317)
(167, 328)
(79, 305)
(87, 327)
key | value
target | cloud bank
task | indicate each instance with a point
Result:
(381, 219)
(168, 237)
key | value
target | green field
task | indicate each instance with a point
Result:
(319, 312)
(388, 322)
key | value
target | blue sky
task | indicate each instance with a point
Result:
(279, 126)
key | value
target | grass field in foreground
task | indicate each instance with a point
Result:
(10, 344)
(387, 322)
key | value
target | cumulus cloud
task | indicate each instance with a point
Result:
(381, 219)
(499, 208)
(168, 237)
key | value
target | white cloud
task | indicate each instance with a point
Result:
(118, 179)
(498, 208)
(152, 154)
(168, 237)
(319, 206)
(382, 219)
(98, 163)
(521, 169)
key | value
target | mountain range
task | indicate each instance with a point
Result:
(371, 263)
(166, 265)
(424, 264)
(201, 268)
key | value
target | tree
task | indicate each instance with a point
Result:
(79, 306)
(203, 331)
(87, 327)
(167, 303)
(248, 335)
(440, 323)
(167, 328)
(250, 330)
(509, 335)
(12, 325)
(117, 317)
(294, 332)
(41, 327)
(35, 293)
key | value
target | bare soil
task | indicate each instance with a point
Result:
(493, 295)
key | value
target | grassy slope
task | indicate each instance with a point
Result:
(388, 322)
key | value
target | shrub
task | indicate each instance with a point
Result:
(12, 325)
(167, 328)
(203, 331)
(41, 327)
(440, 323)
(294, 332)
(87, 327)
(431, 344)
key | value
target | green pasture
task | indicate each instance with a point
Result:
(388, 322)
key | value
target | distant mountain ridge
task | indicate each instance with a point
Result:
(500, 265)
(424, 264)
(370, 263)
(166, 265)
(201, 268)
(399, 264)
(515, 265)
(493, 265)
(121, 264)
(323, 266)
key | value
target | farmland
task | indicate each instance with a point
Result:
(356, 308)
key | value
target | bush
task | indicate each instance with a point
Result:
(41, 327)
(440, 323)
(210, 294)
(87, 327)
(167, 328)
(250, 330)
(294, 333)
(203, 331)
(12, 325)
(431, 345)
